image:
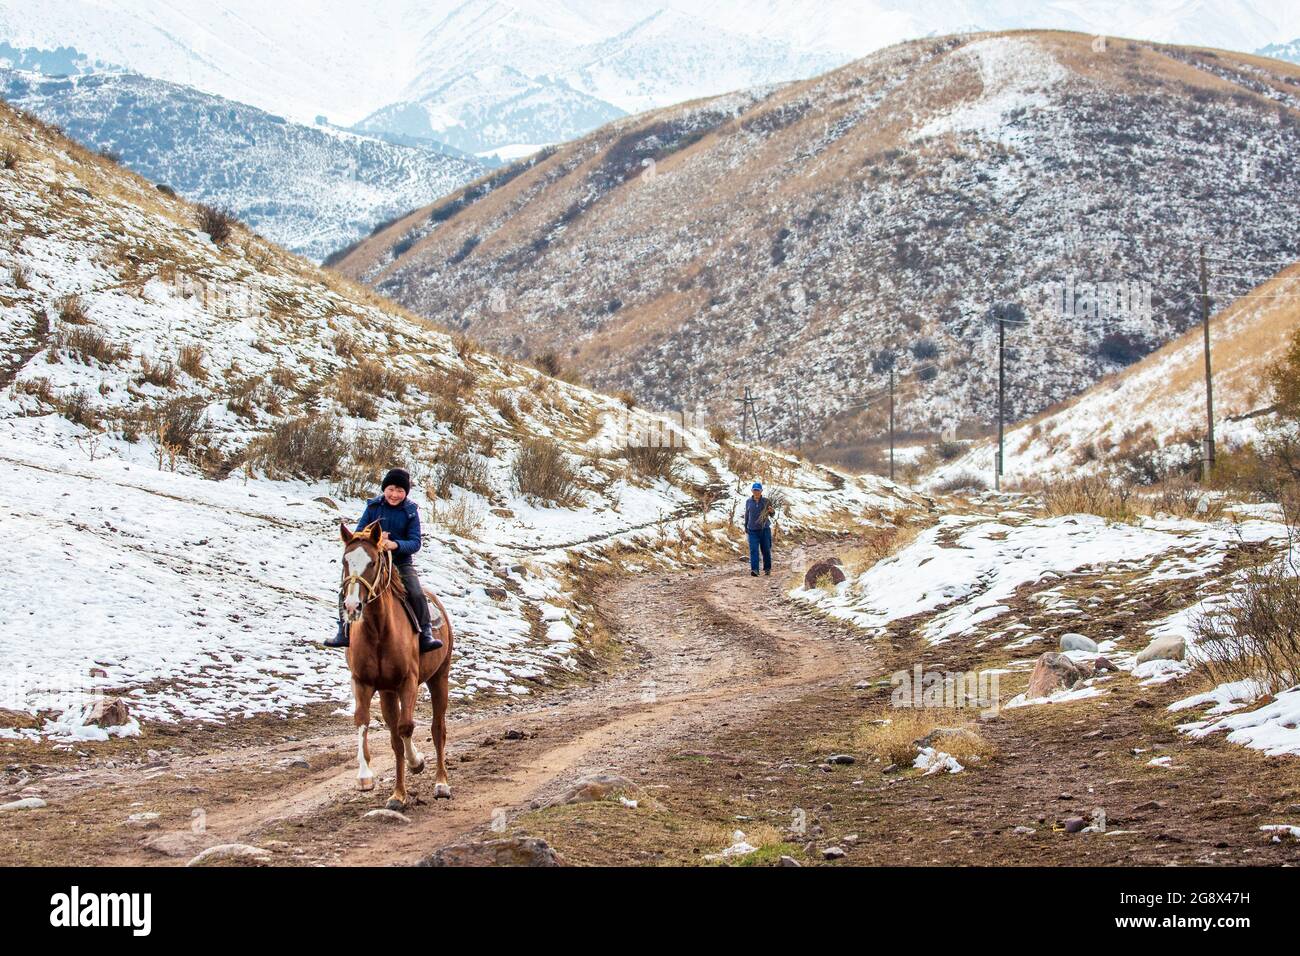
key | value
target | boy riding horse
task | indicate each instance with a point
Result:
(399, 518)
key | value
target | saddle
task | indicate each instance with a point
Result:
(434, 617)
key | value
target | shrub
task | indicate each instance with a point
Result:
(345, 345)
(22, 279)
(548, 363)
(505, 408)
(925, 349)
(72, 311)
(87, 346)
(1122, 348)
(218, 223)
(78, 407)
(1255, 632)
(719, 434)
(948, 450)
(459, 465)
(651, 461)
(892, 735)
(180, 424)
(308, 446)
(372, 454)
(190, 360)
(461, 518)
(10, 157)
(1090, 494)
(373, 378)
(161, 373)
(965, 481)
(542, 472)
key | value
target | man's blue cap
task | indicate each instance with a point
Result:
(758, 486)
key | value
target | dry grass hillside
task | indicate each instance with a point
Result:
(1151, 417)
(804, 238)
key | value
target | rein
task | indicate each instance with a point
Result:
(384, 573)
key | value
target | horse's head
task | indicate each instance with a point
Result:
(361, 568)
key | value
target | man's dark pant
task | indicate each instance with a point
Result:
(415, 595)
(760, 541)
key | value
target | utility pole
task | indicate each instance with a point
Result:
(891, 423)
(798, 417)
(1002, 396)
(1207, 463)
(748, 409)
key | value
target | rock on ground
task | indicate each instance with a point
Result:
(230, 853)
(827, 566)
(599, 787)
(1162, 649)
(384, 815)
(513, 851)
(1051, 673)
(1078, 642)
(28, 803)
(109, 712)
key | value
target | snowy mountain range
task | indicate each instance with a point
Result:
(1282, 51)
(310, 189)
(370, 62)
(806, 239)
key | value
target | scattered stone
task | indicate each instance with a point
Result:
(1103, 664)
(862, 685)
(98, 672)
(27, 803)
(1074, 824)
(20, 720)
(295, 763)
(387, 816)
(230, 853)
(1078, 642)
(833, 853)
(514, 851)
(850, 839)
(497, 594)
(1142, 704)
(109, 712)
(146, 820)
(173, 844)
(327, 501)
(1051, 673)
(1170, 648)
(827, 567)
(599, 787)
(514, 735)
(788, 861)
(1025, 831)
(841, 759)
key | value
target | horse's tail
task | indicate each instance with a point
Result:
(446, 619)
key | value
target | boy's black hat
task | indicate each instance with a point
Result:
(399, 477)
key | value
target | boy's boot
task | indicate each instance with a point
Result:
(427, 641)
(341, 638)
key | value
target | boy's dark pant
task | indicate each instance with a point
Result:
(415, 596)
(760, 541)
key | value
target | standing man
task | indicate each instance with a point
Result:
(758, 526)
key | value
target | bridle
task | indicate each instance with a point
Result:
(383, 573)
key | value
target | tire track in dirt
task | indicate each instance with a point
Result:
(713, 648)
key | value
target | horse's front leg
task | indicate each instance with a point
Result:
(414, 759)
(363, 694)
(392, 710)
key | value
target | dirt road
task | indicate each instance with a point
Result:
(708, 650)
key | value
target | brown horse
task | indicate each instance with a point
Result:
(384, 656)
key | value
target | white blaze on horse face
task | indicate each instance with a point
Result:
(363, 769)
(356, 561)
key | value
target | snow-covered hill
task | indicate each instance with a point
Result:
(1282, 51)
(801, 240)
(183, 424)
(303, 58)
(1151, 418)
(310, 189)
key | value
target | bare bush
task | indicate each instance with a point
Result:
(22, 278)
(161, 373)
(1255, 633)
(88, 346)
(1089, 494)
(462, 518)
(190, 360)
(542, 472)
(652, 461)
(459, 465)
(965, 481)
(308, 446)
(72, 311)
(80, 408)
(371, 455)
(346, 345)
(181, 424)
(505, 408)
(218, 223)
(10, 157)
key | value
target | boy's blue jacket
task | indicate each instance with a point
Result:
(402, 524)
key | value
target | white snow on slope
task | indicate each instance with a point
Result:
(974, 574)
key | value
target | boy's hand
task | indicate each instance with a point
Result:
(386, 543)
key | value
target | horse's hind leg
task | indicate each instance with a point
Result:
(392, 710)
(438, 690)
(414, 759)
(362, 696)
